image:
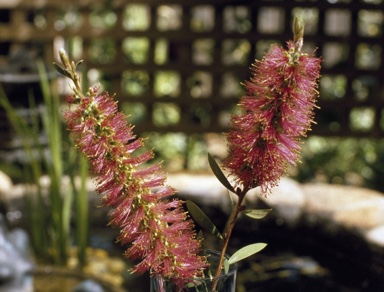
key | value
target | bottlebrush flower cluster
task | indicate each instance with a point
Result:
(277, 110)
(155, 227)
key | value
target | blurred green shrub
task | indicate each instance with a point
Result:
(337, 160)
(350, 161)
(51, 206)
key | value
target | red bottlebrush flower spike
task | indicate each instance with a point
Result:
(277, 110)
(156, 228)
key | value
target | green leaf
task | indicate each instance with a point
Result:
(219, 173)
(78, 63)
(61, 70)
(202, 219)
(257, 214)
(226, 266)
(245, 252)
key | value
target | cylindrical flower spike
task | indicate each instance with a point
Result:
(155, 227)
(277, 110)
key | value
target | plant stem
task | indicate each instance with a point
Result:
(228, 232)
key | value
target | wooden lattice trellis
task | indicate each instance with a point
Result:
(177, 64)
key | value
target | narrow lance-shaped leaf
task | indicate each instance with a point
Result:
(78, 63)
(61, 70)
(257, 214)
(219, 173)
(226, 266)
(202, 219)
(245, 252)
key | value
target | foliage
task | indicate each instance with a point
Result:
(50, 208)
(337, 160)
(204, 221)
(350, 161)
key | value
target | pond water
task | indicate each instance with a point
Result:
(307, 259)
(303, 259)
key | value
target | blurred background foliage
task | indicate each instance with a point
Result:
(345, 160)
(351, 161)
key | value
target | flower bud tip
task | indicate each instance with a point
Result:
(64, 58)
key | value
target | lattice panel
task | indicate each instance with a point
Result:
(177, 65)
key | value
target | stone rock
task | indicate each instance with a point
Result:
(376, 235)
(7, 273)
(5, 185)
(88, 286)
(347, 206)
(286, 200)
(14, 260)
(201, 188)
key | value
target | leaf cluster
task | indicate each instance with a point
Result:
(206, 223)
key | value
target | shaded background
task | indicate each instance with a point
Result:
(177, 68)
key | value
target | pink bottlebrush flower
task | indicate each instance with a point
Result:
(156, 228)
(277, 110)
